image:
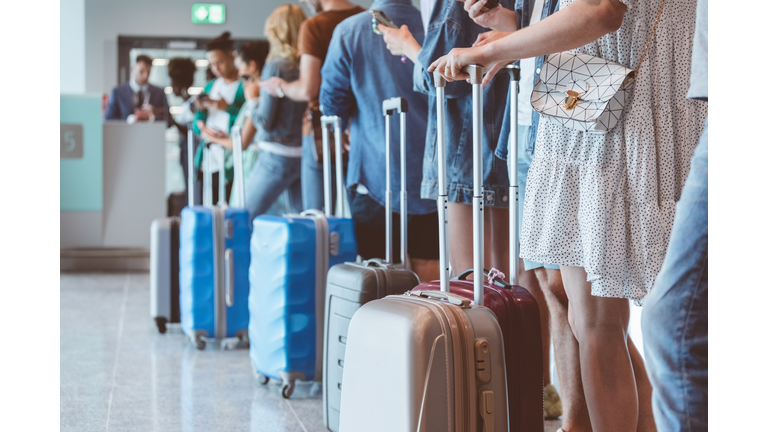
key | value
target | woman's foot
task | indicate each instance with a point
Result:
(553, 407)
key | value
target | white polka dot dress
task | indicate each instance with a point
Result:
(607, 202)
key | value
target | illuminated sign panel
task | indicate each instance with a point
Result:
(208, 13)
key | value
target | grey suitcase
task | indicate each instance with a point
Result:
(164, 262)
(428, 361)
(351, 285)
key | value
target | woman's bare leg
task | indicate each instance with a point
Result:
(600, 326)
(575, 412)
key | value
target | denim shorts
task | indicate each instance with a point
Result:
(524, 160)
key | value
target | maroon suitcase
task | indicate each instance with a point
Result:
(515, 308)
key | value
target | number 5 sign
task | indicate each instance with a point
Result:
(71, 141)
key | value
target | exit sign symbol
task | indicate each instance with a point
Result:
(208, 13)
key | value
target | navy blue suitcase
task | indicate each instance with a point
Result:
(214, 258)
(291, 256)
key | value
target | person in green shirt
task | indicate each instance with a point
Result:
(218, 105)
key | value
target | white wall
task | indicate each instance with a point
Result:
(72, 46)
(106, 19)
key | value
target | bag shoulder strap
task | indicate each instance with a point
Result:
(650, 36)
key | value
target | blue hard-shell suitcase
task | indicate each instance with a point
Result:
(214, 273)
(214, 257)
(290, 258)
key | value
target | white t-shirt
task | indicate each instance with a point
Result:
(426, 7)
(527, 66)
(218, 119)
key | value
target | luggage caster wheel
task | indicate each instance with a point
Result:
(287, 391)
(200, 344)
(263, 379)
(160, 322)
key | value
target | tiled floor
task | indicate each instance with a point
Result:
(119, 374)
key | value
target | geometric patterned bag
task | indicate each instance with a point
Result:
(584, 92)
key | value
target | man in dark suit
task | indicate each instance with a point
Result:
(137, 100)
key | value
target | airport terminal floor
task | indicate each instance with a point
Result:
(119, 374)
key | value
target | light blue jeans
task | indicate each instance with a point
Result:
(312, 177)
(675, 329)
(270, 176)
(524, 160)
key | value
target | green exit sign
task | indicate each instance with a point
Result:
(208, 13)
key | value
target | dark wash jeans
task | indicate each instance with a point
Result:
(675, 328)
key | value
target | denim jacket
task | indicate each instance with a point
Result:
(523, 11)
(278, 120)
(359, 73)
(451, 27)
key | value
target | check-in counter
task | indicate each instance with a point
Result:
(112, 182)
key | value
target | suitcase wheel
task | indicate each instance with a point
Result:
(263, 379)
(160, 322)
(199, 341)
(287, 390)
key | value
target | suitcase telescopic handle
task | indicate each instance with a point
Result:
(514, 191)
(442, 194)
(476, 79)
(229, 275)
(190, 166)
(388, 107)
(325, 121)
(237, 156)
(453, 299)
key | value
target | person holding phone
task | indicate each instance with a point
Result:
(218, 109)
(354, 91)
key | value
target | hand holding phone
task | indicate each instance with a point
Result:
(380, 17)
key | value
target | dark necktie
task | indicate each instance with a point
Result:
(139, 99)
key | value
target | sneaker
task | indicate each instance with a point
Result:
(553, 407)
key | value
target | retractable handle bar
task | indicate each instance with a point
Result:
(389, 107)
(190, 166)
(514, 191)
(442, 193)
(237, 155)
(476, 79)
(336, 122)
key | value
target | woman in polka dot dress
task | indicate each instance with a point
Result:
(602, 206)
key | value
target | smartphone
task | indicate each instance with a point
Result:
(380, 17)
(209, 131)
(490, 5)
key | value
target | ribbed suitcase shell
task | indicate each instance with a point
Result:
(351, 285)
(196, 275)
(411, 366)
(518, 316)
(284, 324)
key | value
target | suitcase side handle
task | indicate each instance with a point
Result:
(453, 299)
(229, 275)
(501, 283)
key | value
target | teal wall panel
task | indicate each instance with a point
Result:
(81, 163)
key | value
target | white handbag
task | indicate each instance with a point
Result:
(584, 92)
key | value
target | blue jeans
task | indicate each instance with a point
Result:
(675, 330)
(312, 177)
(270, 176)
